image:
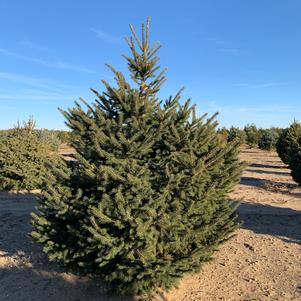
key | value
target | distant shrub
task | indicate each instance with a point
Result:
(23, 158)
(277, 130)
(294, 158)
(252, 135)
(223, 134)
(268, 139)
(296, 166)
(49, 137)
(236, 134)
(289, 149)
(287, 141)
(64, 136)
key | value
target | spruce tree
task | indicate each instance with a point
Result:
(289, 149)
(268, 139)
(295, 164)
(252, 135)
(146, 199)
(236, 134)
(24, 158)
(223, 134)
(287, 142)
(50, 138)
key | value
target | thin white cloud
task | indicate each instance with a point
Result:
(218, 41)
(55, 64)
(33, 45)
(35, 89)
(6, 52)
(32, 84)
(36, 96)
(213, 106)
(24, 79)
(267, 109)
(260, 109)
(107, 37)
(233, 51)
(258, 86)
(30, 97)
(227, 46)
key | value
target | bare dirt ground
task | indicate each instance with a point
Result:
(262, 262)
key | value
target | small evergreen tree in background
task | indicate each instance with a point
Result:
(289, 149)
(236, 134)
(252, 135)
(268, 139)
(50, 138)
(223, 133)
(295, 163)
(23, 158)
(146, 200)
(287, 141)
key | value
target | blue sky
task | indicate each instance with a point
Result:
(239, 57)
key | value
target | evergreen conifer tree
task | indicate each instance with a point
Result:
(295, 164)
(24, 158)
(236, 134)
(289, 149)
(223, 134)
(252, 135)
(50, 138)
(268, 139)
(146, 199)
(287, 141)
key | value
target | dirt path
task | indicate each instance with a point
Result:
(262, 262)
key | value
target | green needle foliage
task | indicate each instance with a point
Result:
(252, 135)
(146, 199)
(23, 158)
(289, 149)
(287, 141)
(236, 134)
(295, 164)
(268, 139)
(50, 138)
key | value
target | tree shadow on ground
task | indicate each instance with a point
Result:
(29, 283)
(284, 223)
(243, 151)
(267, 165)
(257, 182)
(265, 156)
(30, 276)
(261, 171)
(272, 186)
(277, 161)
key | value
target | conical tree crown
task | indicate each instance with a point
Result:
(23, 158)
(145, 199)
(288, 141)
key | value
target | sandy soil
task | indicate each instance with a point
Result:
(262, 262)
